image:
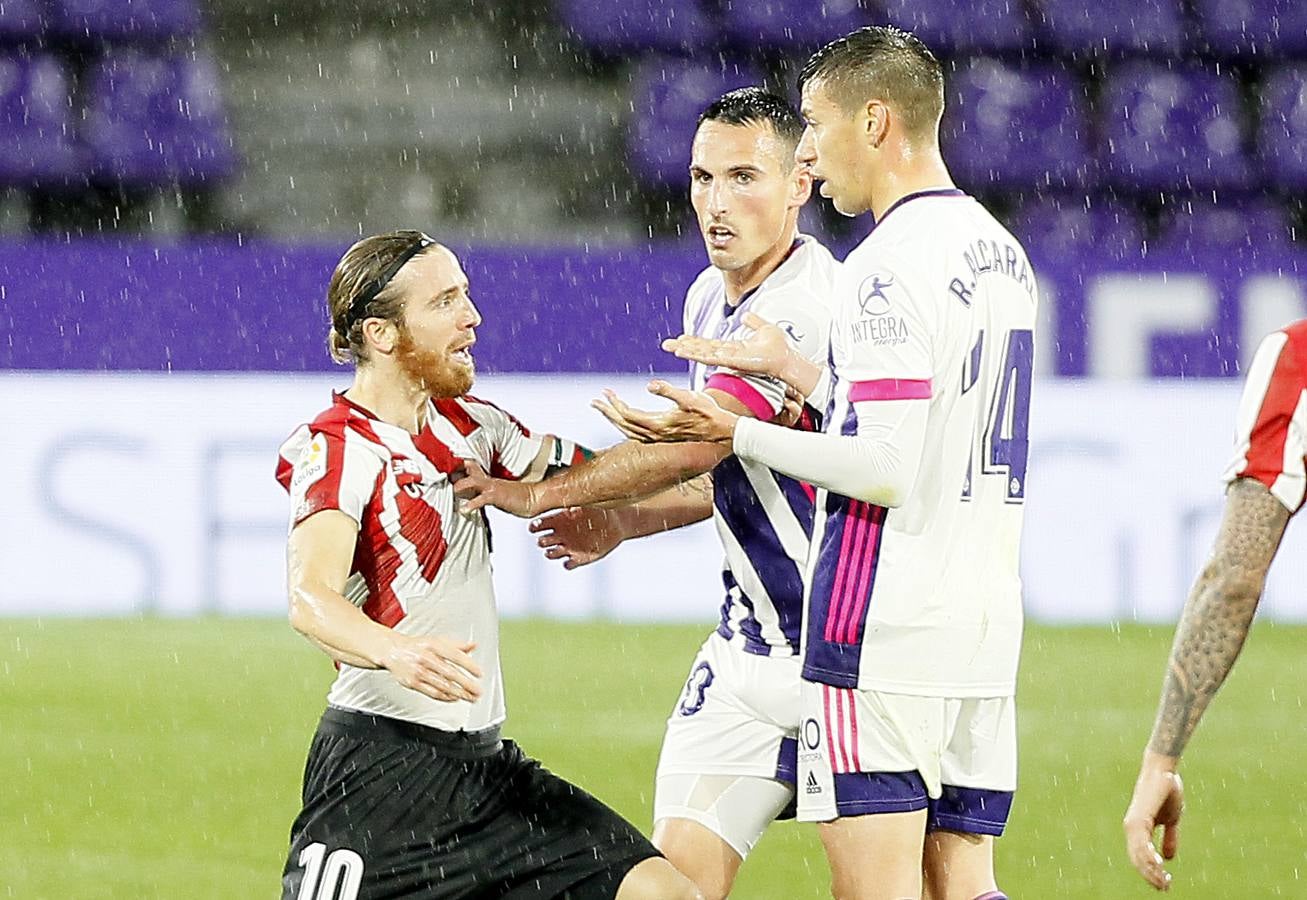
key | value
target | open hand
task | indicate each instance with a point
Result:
(476, 489)
(697, 417)
(578, 535)
(764, 352)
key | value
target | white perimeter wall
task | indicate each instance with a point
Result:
(154, 493)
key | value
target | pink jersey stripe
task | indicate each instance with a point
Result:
(857, 565)
(861, 600)
(839, 717)
(890, 389)
(746, 393)
(851, 523)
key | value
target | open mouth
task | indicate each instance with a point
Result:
(463, 354)
(719, 235)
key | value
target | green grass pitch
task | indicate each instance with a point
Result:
(162, 758)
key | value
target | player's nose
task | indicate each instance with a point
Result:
(806, 153)
(472, 314)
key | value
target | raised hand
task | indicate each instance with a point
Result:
(697, 417)
(764, 352)
(435, 666)
(579, 535)
(1158, 802)
(476, 489)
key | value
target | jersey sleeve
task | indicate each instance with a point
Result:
(805, 319)
(509, 445)
(1272, 420)
(886, 333)
(329, 469)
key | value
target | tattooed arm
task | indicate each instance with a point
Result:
(1211, 633)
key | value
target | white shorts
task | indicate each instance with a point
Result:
(868, 752)
(728, 757)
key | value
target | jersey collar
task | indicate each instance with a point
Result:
(917, 195)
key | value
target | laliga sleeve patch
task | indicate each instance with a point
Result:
(312, 464)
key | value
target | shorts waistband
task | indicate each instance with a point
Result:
(456, 744)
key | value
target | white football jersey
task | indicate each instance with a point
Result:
(764, 519)
(937, 304)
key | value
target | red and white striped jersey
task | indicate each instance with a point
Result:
(420, 566)
(1272, 423)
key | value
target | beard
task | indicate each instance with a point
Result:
(432, 370)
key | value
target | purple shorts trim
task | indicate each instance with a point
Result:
(787, 761)
(972, 810)
(869, 793)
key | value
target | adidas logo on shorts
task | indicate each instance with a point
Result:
(812, 786)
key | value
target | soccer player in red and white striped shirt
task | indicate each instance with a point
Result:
(409, 790)
(1266, 482)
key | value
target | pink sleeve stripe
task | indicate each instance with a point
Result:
(746, 393)
(890, 389)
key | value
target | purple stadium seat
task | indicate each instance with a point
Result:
(126, 20)
(791, 23)
(633, 25)
(36, 120)
(1253, 27)
(1114, 26)
(1282, 128)
(1056, 227)
(1170, 128)
(22, 19)
(1016, 127)
(973, 26)
(668, 96)
(1203, 225)
(157, 119)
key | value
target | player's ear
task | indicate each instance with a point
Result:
(800, 185)
(381, 335)
(876, 122)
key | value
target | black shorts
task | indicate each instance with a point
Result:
(396, 809)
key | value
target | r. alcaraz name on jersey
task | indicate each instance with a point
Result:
(1272, 423)
(420, 566)
(764, 519)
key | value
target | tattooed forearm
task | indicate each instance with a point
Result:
(1219, 612)
(698, 488)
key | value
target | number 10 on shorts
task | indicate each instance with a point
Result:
(335, 877)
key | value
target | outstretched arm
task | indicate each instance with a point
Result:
(581, 535)
(1212, 630)
(620, 474)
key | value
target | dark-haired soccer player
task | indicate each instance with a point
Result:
(726, 768)
(409, 790)
(912, 626)
(1267, 480)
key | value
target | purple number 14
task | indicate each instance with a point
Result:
(1005, 442)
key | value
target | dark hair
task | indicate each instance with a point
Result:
(887, 63)
(360, 289)
(753, 105)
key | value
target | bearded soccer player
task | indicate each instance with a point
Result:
(912, 625)
(409, 790)
(1266, 483)
(726, 770)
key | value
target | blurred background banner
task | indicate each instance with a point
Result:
(136, 493)
(177, 179)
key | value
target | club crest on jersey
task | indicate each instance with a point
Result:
(407, 474)
(872, 299)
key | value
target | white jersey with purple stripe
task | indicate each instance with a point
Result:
(936, 305)
(764, 519)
